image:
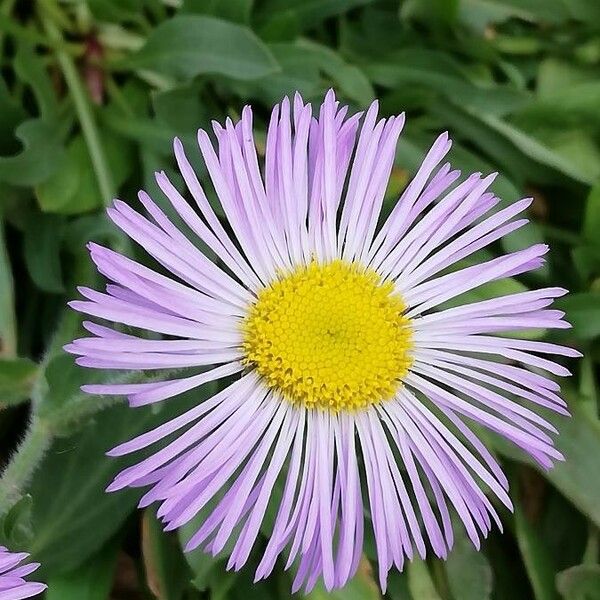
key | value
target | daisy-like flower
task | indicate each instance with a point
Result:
(13, 585)
(350, 374)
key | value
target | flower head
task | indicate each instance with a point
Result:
(349, 372)
(13, 585)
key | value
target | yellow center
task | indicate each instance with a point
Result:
(331, 336)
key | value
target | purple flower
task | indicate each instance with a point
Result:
(353, 373)
(12, 576)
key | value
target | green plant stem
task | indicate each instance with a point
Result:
(589, 395)
(84, 111)
(8, 320)
(23, 464)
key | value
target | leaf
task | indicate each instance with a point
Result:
(420, 584)
(72, 515)
(190, 45)
(237, 11)
(15, 526)
(30, 68)
(40, 158)
(538, 564)
(361, 587)
(440, 72)
(41, 248)
(512, 148)
(430, 10)
(591, 219)
(304, 13)
(167, 573)
(468, 571)
(349, 79)
(74, 189)
(8, 321)
(578, 476)
(581, 582)
(583, 312)
(17, 377)
(91, 581)
(481, 13)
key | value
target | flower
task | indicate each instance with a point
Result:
(350, 373)
(12, 583)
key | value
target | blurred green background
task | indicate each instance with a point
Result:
(91, 95)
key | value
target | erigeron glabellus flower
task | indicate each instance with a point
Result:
(348, 391)
(13, 585)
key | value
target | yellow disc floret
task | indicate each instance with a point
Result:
(330, 336)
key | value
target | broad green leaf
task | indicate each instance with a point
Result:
(468, 571)
(17, 377)
(441, 73)
(72, 515)
(430, 10)
(581, 582)
(511, 147)
(30, 68)
(40, 158)
(11, 114)
(237, 11)
(42, 242)
(361, 587)
(349, 79)
(481, 13)
(73, 189)
(92, 580)
(591, 220)
(571, 104)
(305, 13)
(167, 573)
(578, 476)
(583, 312)
(190, 45)
(420, 584)
(15, 527)
(115, 10)
(535, 556)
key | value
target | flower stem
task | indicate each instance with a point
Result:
(23, 464)
(83, 109)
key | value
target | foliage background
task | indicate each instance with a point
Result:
(91, 95)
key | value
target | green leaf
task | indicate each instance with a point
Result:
(361, 587)
(15, 528)
(536, 558)
(591, 220)
(17, 377)
(90, 581)
(430, 10)
(30, 68)
(190, 45)
(511, 147)
(72, 514)
(578, 476)
(349, 79)
(581, 582)
(481, 13)
(468, 571)
(420, 584)
(237, 11)
(167, 573)
(40, 158)
(42, 241)
(8, 320)
(583, 312)
(304, 13)
(74, 189)
(441, 73)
